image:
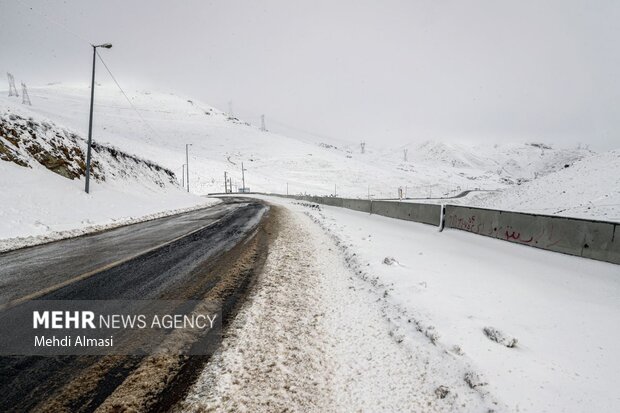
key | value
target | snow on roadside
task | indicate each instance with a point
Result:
(38, 206)
(315, 337)
(539, 328)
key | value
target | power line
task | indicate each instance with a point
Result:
(127, 97)
(77, 35)
(293, 128)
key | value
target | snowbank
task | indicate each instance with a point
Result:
(539, 329)
(313, 337)
(37, 205)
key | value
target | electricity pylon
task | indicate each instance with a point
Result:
(12, 88)
(25, 97)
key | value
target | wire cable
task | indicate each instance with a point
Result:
(127, 97)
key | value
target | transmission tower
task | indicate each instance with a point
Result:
(12, 88)
(363, 146)
(262, 123)
(25, 97)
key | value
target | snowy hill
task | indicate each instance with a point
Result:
(166, 122)
(42, 168)
(588, 188)
(26, 141)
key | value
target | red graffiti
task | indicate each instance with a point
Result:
(543, 238)
(470, 224)
(516, 236)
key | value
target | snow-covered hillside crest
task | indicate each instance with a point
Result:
(275, 163)
(588, 188)
(220, 143)
(42, 169)
(503, 164)
(26, 140)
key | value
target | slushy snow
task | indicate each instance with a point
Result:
(456, 323)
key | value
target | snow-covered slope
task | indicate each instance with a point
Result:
(164, 123)
(42, 167)
(38, 206)
(27, 141)
(588, 188)
(167, 122)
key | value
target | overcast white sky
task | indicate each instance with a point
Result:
(382, 71)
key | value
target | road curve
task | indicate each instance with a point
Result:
(27, 271)
(181, 257)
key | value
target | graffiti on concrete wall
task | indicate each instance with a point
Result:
(470, 223)
(543, 237)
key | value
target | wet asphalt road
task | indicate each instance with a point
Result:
(30, 271)
(177, 270)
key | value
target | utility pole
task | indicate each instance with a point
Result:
(225, 183)
(243, 176)
(287, 189)
(363, 146)
(405, 153)
(187, 145)
(90, 118)
(183, 179)
(335, 193)
(263, 128)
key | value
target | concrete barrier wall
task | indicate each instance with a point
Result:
(598, 240)
(332, 201)
(362, 205)
(581, 237)
(409, 211)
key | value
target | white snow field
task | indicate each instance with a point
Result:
(378, 313)
(220, 143)
(315, 337)
(38, 205)
(589, 188)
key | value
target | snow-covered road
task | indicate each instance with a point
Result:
(316, 337)
(334, 326)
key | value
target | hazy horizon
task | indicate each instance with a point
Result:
(384, 72)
